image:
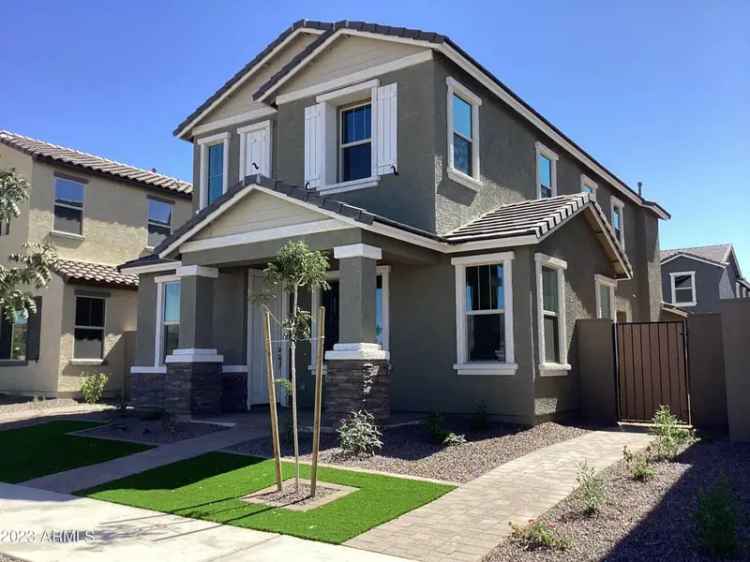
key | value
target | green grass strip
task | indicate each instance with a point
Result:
(209, 487)
(39, 450)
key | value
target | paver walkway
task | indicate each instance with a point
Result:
(253, 426)
(128, 534)
(468, 522)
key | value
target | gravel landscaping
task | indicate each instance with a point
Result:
(654, 520)
(156, 432)
(409, 450)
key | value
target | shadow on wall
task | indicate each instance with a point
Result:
(116, 364)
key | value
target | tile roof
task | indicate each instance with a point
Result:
(95, 273)
(91, 162)
(718, 253)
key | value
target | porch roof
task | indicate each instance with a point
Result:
(95, 273)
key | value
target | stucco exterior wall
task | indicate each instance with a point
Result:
(707, 283)
(146, 319)
(19, 227)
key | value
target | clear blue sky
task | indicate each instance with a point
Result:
(657, 91)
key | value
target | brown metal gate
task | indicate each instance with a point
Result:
(652, 369)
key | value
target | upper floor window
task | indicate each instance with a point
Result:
(68, 206)
(484, 315)
(355, 145)
(605, 296)
(13, 336)
(551, 313)
(89, 328)
(588, 186)
(618, 220)
(159, 221)
(214, 163)
(546, 172)
(463, 135)
(683, 288)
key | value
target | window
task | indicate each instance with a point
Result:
(618, 220)
(484, 315)
(168, 318)
(588, 186)
(546, 172)
(683, 288)
(463, 135)
(214, 162)
(4, 228)
(605, 296)
(13, 336)
(89, 328)
(159, 221)
(68, 206)
(355, 146)
(551, 315)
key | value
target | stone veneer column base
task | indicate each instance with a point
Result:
(234, 392)
(147, 391)
(344, 389)
(193, 388)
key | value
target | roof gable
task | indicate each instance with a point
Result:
(717, 254)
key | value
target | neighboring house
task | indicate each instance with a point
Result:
(96, 213)
(467, 234)
(696, 279)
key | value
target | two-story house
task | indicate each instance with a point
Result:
(696, 279)
(96, 213)
(466, 233)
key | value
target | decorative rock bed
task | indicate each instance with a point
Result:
(289, 498)
(127, 428)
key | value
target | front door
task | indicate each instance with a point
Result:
(257, 387)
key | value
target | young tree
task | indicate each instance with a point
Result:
(34, 261)
(296, 267)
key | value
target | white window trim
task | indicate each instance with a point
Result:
(82, 208)
(384, 271)
(242, 132)
(473, 181)
(617, 203)
(552, 156)
(561, 367)
(340, 145)
(672, 281)
(13, 325)
(604, 281)
(588, 182)
(158, 340)
(89, 360)
(205, 143)
(463, 366)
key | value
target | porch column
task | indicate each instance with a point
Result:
(358, 367)
(193, 383)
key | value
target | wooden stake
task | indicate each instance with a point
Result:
(272, 400)
(318, 398)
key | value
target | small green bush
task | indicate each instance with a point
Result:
(670, 437)
(638, 464)
(92, 387)
(435, 424)
(359, 434)
(716, 520)
(453, 439)
(590, 489)
(538, 536)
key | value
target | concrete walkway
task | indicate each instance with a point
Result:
(468, 522)
(126, 534)
(253, 426)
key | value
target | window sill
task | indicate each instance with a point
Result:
(87, 361)
(488, 368)
(69, 235)
(554, 369)
(465, 180)
(160, 370)
(13, 362)
(341, 187)
(684, 304)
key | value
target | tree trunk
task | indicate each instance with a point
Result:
(294, 389)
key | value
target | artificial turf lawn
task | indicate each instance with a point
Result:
(209, 487)
(39, 450)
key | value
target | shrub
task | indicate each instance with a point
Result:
(435, 425)
(716, 520)
(590, 489)
(480, 420)
(670, 437)
(537, 536)
(453, 439)
(92, 387)
(359, 434)
(638, 464)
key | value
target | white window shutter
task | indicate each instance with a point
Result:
(386, 129)
(313, 145)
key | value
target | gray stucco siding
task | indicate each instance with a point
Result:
(146, 334)
(707, 282)
(230, 315)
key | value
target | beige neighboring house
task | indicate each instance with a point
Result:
(97, 213)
